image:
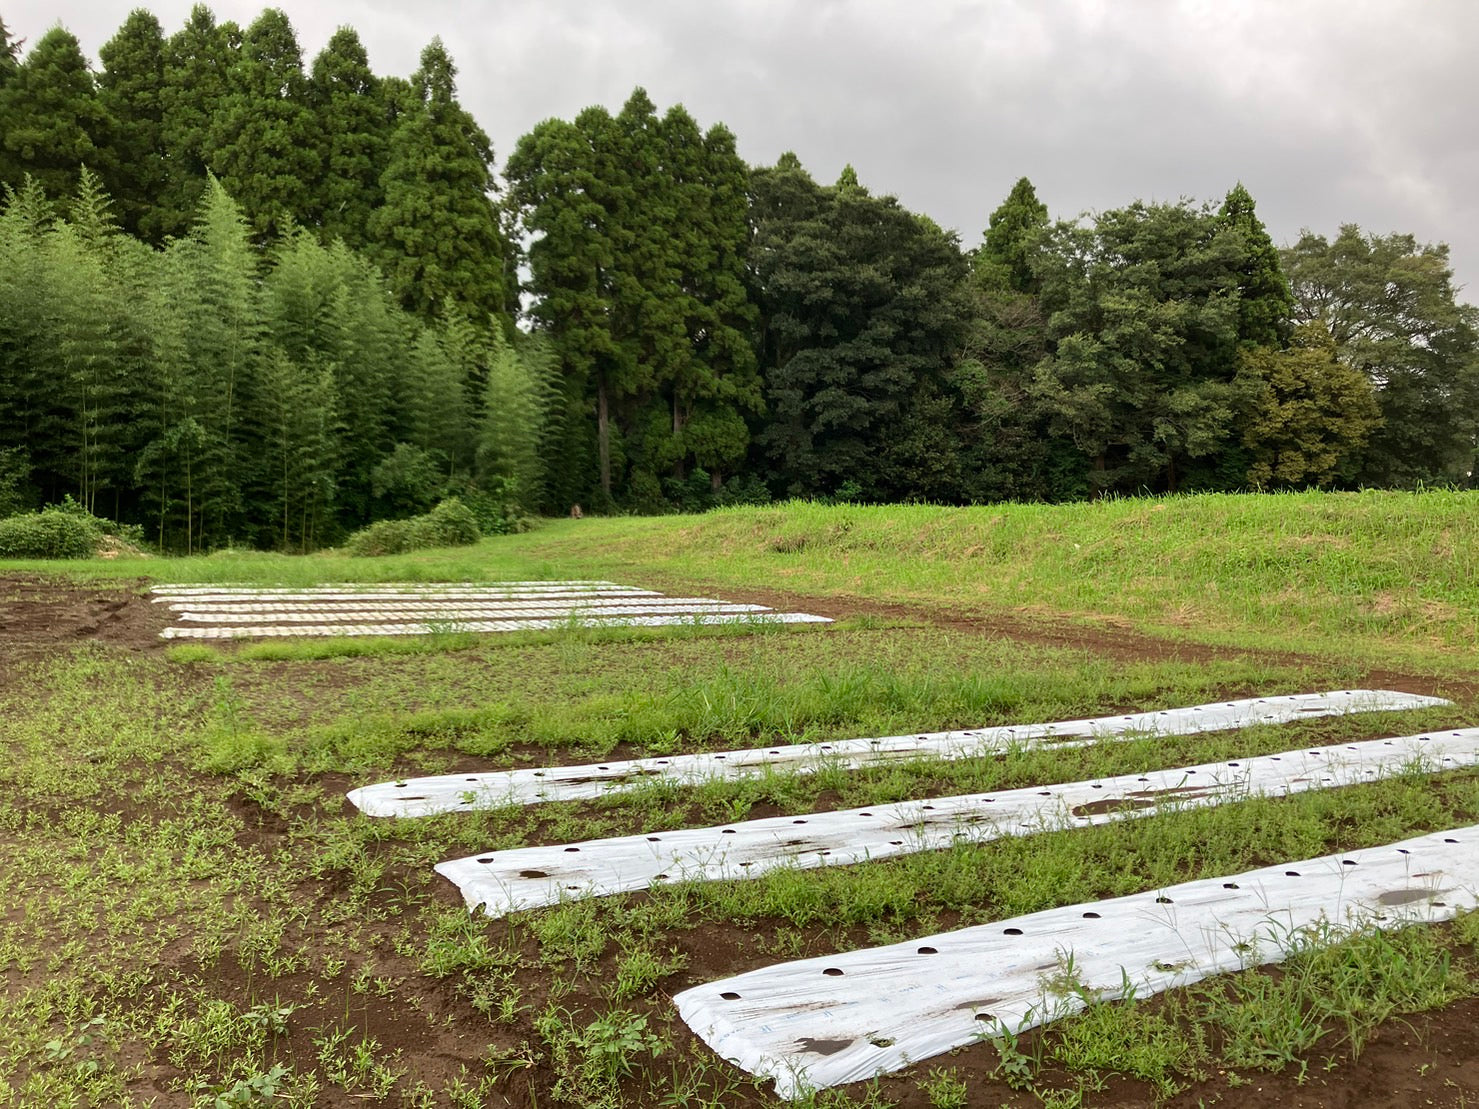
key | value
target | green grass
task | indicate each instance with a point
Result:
(1384, 574)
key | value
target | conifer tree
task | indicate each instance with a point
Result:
(569, 191)
(1265, 305)
(131, 88)
(262, 143)
(51, 121)
(352, 123)
(197, 61)
(10, 55)
(438, 237)
(714, 383)
(1010, 239)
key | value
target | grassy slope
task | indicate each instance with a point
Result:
(1382, 575)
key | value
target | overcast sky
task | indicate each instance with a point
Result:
(1329, 111)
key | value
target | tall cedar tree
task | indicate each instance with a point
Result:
(51, 120)
(352, 123)
(569, 192)
(437, 236)
(10, 55)
(1265, 304)
(1391, 307)
(197, 61)
(262, 143)
(638, 270)
(1011, 239)
(131, 87)
(1006, 450)
(713, 384)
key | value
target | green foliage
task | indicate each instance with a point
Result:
(450, 524)
(864, 304)
(198, 59)
(53, 122)
(131, 91)
(1005, 260)
(640, 226)
(261, 140)
(55, 532)
(352, 125)
(1265, 303)
(1311, 415)
(1143, 312)
(700, 334)
(437, 235)
(9, 55)
(1389, 304)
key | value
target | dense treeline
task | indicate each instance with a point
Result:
(242, 301)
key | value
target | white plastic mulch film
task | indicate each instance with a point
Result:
(237, 612)
(464, 792)
(500, 882)
(842, 1018)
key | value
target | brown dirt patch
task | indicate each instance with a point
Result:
(38, 615)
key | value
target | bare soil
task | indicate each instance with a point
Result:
(1429, 1059)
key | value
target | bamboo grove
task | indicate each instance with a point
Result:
(245, 302)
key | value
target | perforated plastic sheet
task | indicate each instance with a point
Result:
(842, 1018)
(232, 612)
(386, 596)
(448, 603)
(358, 588)
(582, 610)
(500, 882)
(463, 792)
(697, 619)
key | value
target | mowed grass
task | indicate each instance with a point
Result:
(195, 917)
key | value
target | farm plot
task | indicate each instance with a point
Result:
(243, 612)
(198, 917)
(462, 792)
(846, 1017)
(792, 1023)
(501, 882)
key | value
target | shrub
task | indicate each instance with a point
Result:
(449, 524)
(57, 532)
(382, 538)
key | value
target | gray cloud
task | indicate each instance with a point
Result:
(1330, 111)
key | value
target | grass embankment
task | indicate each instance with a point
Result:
(1381, 575)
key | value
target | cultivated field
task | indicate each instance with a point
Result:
(195, 914)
